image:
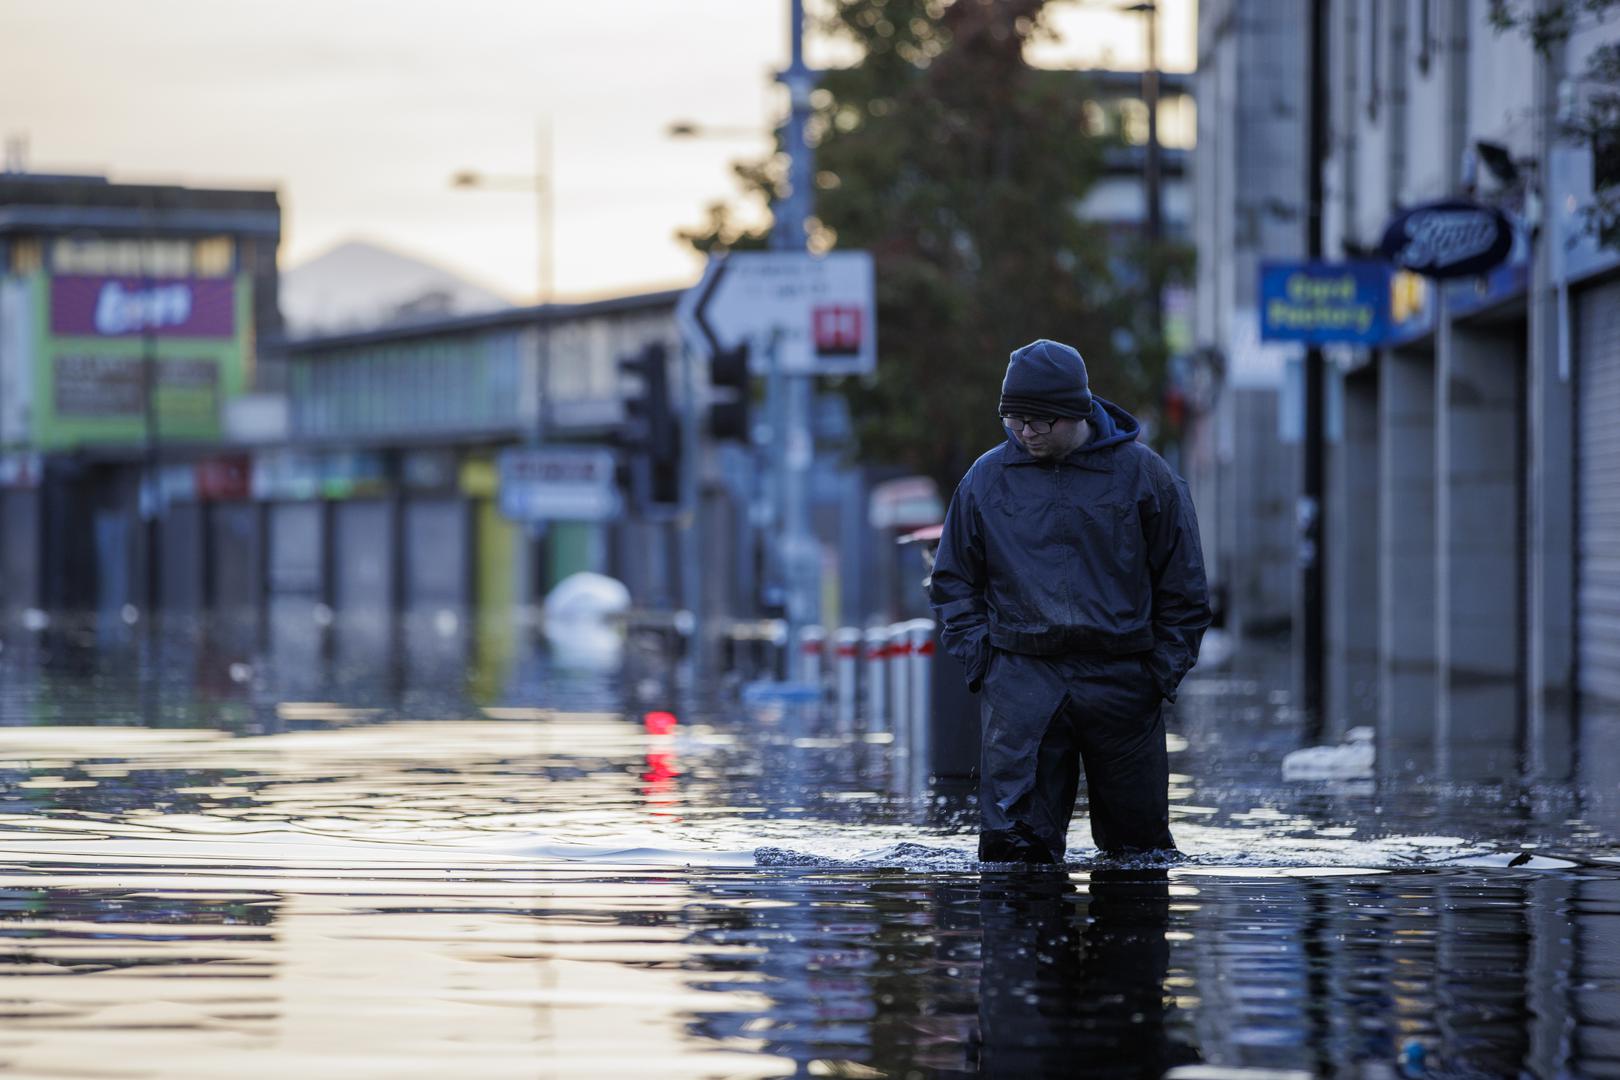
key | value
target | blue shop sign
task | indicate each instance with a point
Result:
(1448, 239)
(1324, 302)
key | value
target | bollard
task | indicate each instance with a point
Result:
(876, 662)
(916, 733)
(774, 640)
(919, 663)
(895, 638)
(812, 643)
(846, 648)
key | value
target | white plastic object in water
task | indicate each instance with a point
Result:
(1352, 760)
(581, 620)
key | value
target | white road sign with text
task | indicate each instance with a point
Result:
(558, 483)
(819, 308)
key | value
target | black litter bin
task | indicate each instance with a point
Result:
(953, 727)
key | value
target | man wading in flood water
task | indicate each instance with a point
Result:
(1070, 584)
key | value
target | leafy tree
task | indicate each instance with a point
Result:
(961, 168)
(1596, 120)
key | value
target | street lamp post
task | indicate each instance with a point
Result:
(692, 568)
(1152, 166)
(691, 129)
(800, 549)
(1313, 538)
(797, 553)
(540, 187)
(153, 497)
(540, 184)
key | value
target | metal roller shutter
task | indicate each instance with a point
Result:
(1598, 491)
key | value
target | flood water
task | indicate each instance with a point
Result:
(217, 860)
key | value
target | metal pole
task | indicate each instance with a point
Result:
(544, 241)
(1152, 166)
(544, 209)
(692, 525)
(776, 568)
(153, 496)
(1313, 536)
(797, 546)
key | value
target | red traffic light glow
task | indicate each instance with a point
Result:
(660, 723)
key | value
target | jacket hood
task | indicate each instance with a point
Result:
(1111, 426)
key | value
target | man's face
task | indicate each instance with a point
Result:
(1044, 436)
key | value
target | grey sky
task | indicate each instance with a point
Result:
(360, 110)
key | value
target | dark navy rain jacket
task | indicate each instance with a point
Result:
(1095, 553)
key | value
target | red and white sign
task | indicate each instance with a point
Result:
(837, 329)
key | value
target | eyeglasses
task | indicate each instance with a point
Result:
(1040, 425)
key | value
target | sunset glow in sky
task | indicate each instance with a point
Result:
(360, 112)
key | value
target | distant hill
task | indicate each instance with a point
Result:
(359, 285)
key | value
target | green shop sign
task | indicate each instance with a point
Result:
(109, 352)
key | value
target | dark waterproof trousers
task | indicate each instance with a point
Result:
(1044, 719)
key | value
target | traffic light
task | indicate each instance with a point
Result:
(652, 432)
(728, 411)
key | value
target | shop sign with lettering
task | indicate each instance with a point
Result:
(1446, 239)
(95, 306)
(558, 483)
(1324, 303)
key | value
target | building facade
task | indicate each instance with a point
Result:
(1248, 205)
(1484, 426)
(130, 317)
(1471, 549)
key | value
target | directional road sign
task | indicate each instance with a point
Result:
(819, 309)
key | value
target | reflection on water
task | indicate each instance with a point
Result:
(437, 869)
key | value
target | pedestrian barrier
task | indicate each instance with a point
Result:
(897, 648)
(875, 661)
(846, 671)
(919, 637)
(812, 644)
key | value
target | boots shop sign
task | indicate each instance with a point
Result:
(104, 307)
(1448, 239)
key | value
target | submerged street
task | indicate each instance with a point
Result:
(216, 863)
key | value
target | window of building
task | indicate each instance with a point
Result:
(213, 256)
(27, 256)
(1178, 122)
(1132, 113)
(125, 257)
(1095, 117)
